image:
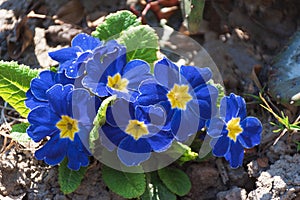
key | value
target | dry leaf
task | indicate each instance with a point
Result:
(71, 12)
(20, 39)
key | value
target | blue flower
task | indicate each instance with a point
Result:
(233, 130)
(67, 121)
(184, 93)
(135, 131)
(36, 95)
(71, 59)
(108, 73)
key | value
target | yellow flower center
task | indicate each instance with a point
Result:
(117, 83)
(136, 129)
(68, 127)
(234, 128)
(179, 96)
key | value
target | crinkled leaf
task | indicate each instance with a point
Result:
(156, 190)
(99, 120)
(141, 43)
(127, 185)
(114, 24)
(69, 180)
(175, 180)
(14, 83)
(18, 133)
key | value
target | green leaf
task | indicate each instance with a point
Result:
(156, 190)
(14, 83)
(99, 120)
(164, 192)
(141, 43)
(127, 185)
(175, 180)
(69, 180)
(18, 133)
(114, 24)
(21, 128)
(149, 193)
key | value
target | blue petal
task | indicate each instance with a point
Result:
(62, 79)
(40, 85)
(85, 41)
(235, 155)
(151, 93)
(184, 124)
(91, 82)
(135, 72)
(166, 106)
(65, 54)
(84, 106)
(229, 107)
(195, 76)
(220, 146)
(110, 60)
(54, 151)
(39, 132)
(31, 102)
(57, 96)
(119, 114)
(207, 92)
(74, 68)
(135, 146)
(81, 62)
(207, 97)
(206, 110)
(43, 116)
(166, 73)
(130, 96)
(161, 141)
(84, 134)
(251, 134)
(151, 114)
(112, 134)
(132, 152)
(216, 128)
(242, 107)
(66, 66)
(76, 157)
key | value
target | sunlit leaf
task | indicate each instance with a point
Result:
(114, 24)
(127, 185)
(14, 83)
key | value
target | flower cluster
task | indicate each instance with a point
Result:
(151, 111)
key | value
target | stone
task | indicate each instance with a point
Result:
(280, 181)
(235, 193)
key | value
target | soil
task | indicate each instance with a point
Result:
(242, 37)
